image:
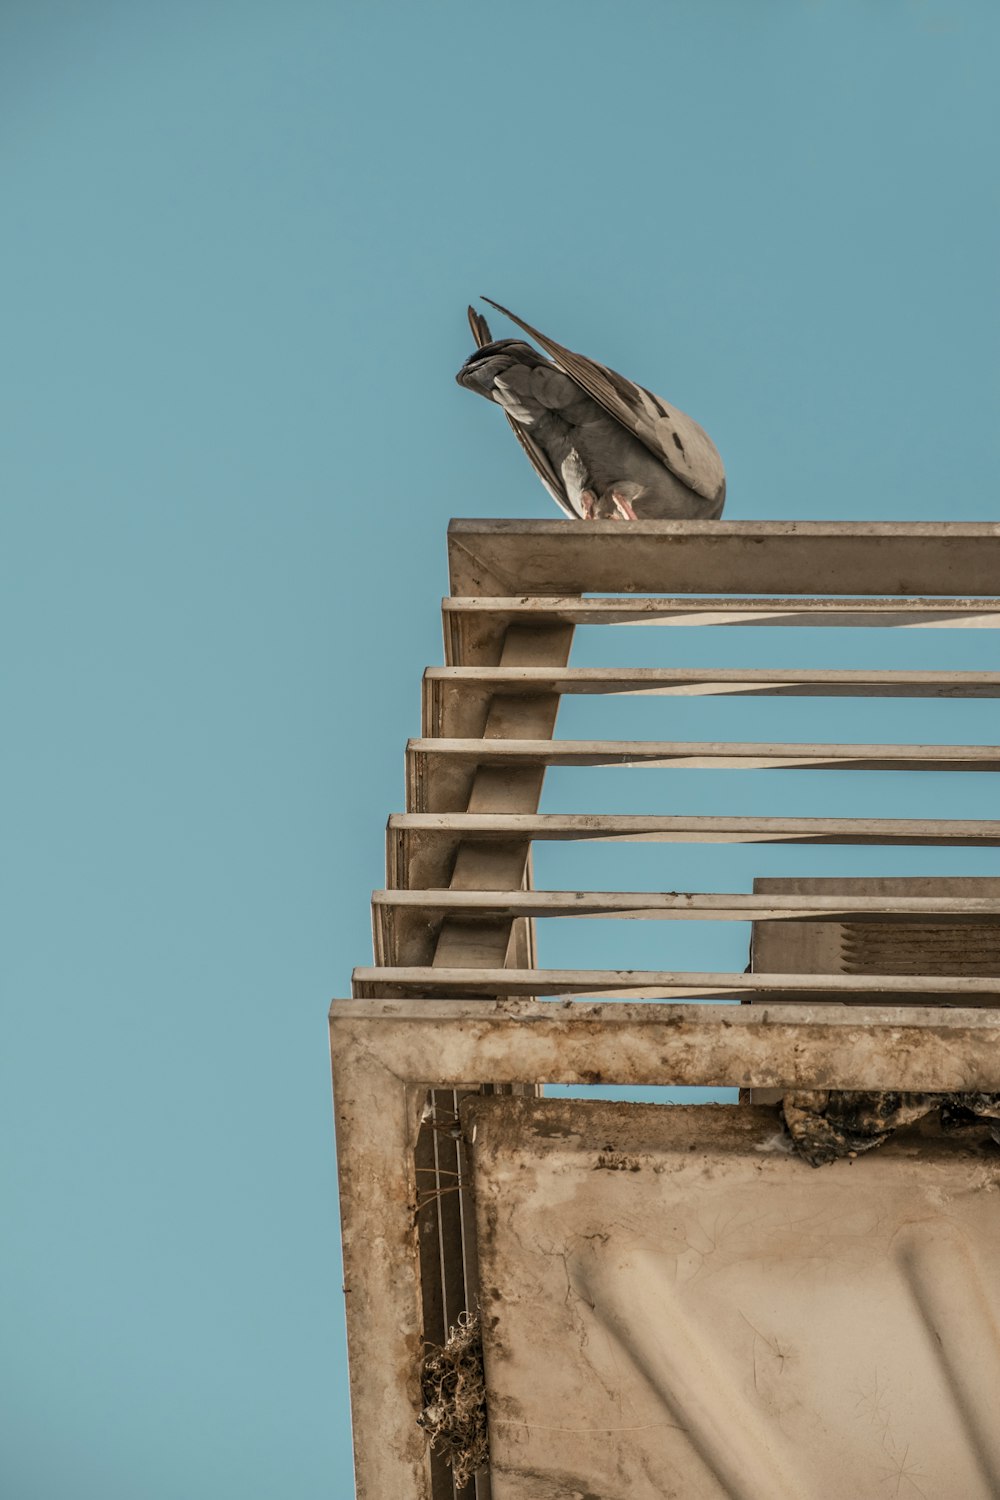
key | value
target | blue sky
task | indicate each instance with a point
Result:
(238, 244)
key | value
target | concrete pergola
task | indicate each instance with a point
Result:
(453, 1003)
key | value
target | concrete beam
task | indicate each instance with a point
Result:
(474, 627)
(734, 557)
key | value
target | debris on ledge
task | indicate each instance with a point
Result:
(454, 1392)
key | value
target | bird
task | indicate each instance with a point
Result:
(604, 447)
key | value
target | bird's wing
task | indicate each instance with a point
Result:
(535, 455)
(671, 436)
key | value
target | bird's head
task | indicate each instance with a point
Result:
(492, 359)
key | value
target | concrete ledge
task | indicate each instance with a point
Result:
(729, 557)
(387, 1053)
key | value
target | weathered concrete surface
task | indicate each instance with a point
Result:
(676, 1307)
(656, 984)
(387, 1053)
(472, 817)
(848, 946)
(401, 920)
(853, 945)
(420, 847)
(455, 699)
(439, 772)
(453, 1042)
(728, 557)
(474, 628)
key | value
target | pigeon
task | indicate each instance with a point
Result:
(604, 448)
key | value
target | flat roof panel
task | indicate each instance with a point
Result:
(675, 1306)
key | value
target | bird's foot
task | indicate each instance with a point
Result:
(623, 505)
(588, 499)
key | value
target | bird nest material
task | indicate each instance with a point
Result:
(454, 1392)
(826, 1126)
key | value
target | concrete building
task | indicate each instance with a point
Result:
(670, 1301)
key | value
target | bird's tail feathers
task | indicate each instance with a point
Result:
(480, 328)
